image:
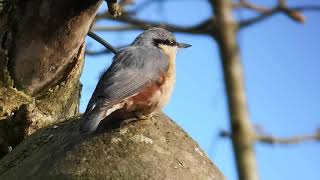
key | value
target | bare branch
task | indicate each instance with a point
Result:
(268, 139)
(293, 12)
(289, 140)
(102, 41)
(95, 53)
(294, 15)
(116, 28)
(204, 27)
(246, 4)
(101, 52)
(251, 21)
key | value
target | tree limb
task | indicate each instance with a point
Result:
(116, 28)
(204, 27)
(100, 52)
(268, 139)
(96, 53)
(148, 149)
(103, 42)
(242, 141)
(246, 4)
(293, 13)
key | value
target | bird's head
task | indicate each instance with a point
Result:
(159, 38)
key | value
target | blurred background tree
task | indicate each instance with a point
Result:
(277, 93)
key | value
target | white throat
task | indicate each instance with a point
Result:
(171, 51)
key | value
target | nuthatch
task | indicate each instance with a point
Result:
(139, 81)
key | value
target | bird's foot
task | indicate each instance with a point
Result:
(137, 118)
(145, 117)
(127, 121)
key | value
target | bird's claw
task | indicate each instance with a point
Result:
(137, 118)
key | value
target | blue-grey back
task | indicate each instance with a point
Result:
(131, 70)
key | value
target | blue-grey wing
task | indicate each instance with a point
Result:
(131, 70)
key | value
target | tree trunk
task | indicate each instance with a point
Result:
(41, 59)
(241, 129)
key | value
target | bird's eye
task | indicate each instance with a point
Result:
(172, 43)
(168, 42)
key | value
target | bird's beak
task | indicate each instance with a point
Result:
(183, 45)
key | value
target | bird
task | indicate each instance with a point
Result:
(139, 81)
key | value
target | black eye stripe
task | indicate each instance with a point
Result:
(168, 42)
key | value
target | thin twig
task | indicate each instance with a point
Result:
(116, 28)
(101, 52)
(289, 140)
(268, 139)
(248, 5)
(204, 27)
(96, 53)
(103, 42)
(292, 12)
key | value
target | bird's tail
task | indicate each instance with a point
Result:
(91, 120)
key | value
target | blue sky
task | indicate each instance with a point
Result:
(281, 66)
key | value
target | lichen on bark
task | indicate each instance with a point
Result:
(147, 149)
(41, 59)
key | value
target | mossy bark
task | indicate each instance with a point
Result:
(147, 149)
(41, 59)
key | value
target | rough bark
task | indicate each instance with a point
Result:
(41, 59)
(147, 149)
(242, 133)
